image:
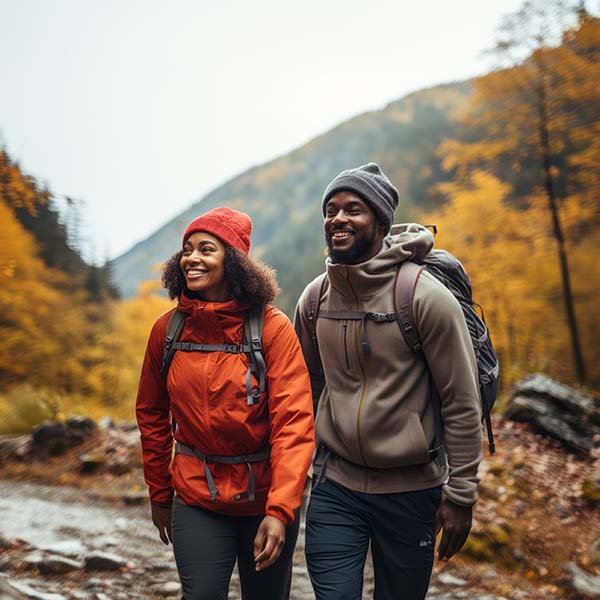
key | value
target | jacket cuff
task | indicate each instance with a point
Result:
(280, 514)
(163, 497)
(462, 497)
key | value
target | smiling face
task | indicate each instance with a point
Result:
(203, 266)
(352, 231)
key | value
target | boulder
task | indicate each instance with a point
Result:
(58, 565)
(101, 561)
(48, 431)
(556, 410)
(90, 463)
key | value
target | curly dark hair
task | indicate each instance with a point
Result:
(249, 279)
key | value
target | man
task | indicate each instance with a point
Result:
(380, 477)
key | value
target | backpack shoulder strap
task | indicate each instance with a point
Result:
(252, 334)
(173, 333)
(405, 284)
(315, 293)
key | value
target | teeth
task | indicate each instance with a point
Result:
(341, 234)
(195, 272)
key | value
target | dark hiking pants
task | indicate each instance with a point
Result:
(340, 523)
(206, 545)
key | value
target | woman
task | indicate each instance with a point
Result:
(235, 482)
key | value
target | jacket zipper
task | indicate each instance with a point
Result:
(364, 377)
(345, 326)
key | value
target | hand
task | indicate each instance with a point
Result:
(268, 542)
(456, 522)
(161, 517)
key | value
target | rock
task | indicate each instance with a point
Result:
(70, 548)
(33, 594)
(5, 544)
(556, 410)
(32, 560)
(119, 466)
(449, 579)
(8, 592)
(101, 561)
(58, 565)
(83, 424)
(135, 498)
(48, 431)
(18, 446)
(167, 590)
(90, 463)
(591, 488)
(583, 583)
(594, 553)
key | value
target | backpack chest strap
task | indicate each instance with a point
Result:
(193, 347)
(376, 317)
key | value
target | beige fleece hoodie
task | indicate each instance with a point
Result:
(374, 411)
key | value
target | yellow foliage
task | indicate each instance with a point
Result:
(510, 256)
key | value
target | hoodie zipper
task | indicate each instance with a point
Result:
(364, 377)
(345, 326)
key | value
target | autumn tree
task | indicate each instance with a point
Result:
(534, 123)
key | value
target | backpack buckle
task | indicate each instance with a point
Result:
(231, 348)
(382, 317)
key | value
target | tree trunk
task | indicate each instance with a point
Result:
(562, 253)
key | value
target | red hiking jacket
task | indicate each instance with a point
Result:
(206, 393)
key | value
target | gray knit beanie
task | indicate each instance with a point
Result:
(371, 184)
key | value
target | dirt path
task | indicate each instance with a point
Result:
(64, 521)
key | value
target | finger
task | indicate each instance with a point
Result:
(462, 541)
(438, 523)
(443, 544)
(163, 536)
(265, 555)
(259, 542)
(277, 547)
(169, 529)
(452, 547)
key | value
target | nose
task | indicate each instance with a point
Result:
(339, 217)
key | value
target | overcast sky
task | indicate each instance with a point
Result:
(140, 107)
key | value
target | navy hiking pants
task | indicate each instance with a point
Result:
(400, 527)
(206, 545)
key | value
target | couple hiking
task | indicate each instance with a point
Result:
(382, 351)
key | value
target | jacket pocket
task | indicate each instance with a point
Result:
(406, 447)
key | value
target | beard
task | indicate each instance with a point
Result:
(362, 243)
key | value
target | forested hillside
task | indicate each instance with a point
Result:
(283, 196)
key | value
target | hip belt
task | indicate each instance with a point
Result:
(246, 459)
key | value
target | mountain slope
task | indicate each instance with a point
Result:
(283, 196)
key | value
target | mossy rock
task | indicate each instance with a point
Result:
(490, 543)
(497, 469)
(591, 488)
(58, 446)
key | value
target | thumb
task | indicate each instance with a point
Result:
(438, 521)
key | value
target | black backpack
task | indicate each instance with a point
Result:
(251, 346)
(447, 269)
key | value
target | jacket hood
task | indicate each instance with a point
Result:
(409, 241)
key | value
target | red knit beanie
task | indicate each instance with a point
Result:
(230, 226)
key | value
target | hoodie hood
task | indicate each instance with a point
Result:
(408, 241)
